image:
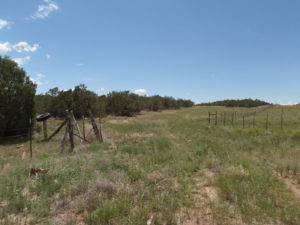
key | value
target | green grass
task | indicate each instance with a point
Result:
(150, 166)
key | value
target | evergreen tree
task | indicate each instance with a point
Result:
(17, 94)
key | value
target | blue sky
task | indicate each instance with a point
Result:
(201, 50)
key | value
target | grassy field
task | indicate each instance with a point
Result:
(167, 168)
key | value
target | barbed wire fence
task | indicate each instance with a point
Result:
(25, 134)
(250, 119)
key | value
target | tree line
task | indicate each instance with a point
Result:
(83, 101)
(238, 103)
(19, 102)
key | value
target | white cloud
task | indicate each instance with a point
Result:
(288, 103)
(80, 64)
(40, 75)
(48, 56)
(3, 23)
(37, 79)
(140, 91)
(292, 103)
(22, 61)
(101, 89)
(34, 80)
(280, 102)
(23, 46)
(20, 47)
(5, 47)
(44, 10)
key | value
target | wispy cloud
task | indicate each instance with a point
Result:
(101, 89)
(38, 79)
(48, 56)
(20, 47)
(79, 64)
(23, 46)
(45, 9)
(5, 47)
(140, 91)
(286, 102)
(3, 24)
(22, 61)
(40, 75)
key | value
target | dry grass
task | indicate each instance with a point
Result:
(159, 168)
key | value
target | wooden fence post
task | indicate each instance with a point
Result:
(45, 130)
(209, 118)
(216, 118)
(77, 126)
(100, 130)
(57, 130)
(96, 130)
(70, 128)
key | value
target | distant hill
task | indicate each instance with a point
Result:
(237, 103)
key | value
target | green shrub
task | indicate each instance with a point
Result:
(16, 99)
(296, 136)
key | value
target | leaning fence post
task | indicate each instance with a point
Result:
(95, 128)
(77, 126)
(100, 130)
(70, 128)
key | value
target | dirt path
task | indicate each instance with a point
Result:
(292, 185)
(204, 194)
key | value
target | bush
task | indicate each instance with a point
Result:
(123, 103)
(238, 103)
(16, 99)
(296, 136)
